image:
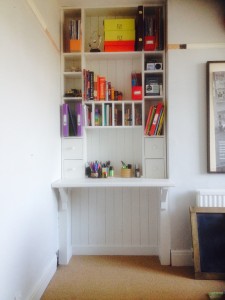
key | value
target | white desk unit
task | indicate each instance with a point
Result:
(65, 187)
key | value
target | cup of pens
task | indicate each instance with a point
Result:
(98, 169)
(126, 170)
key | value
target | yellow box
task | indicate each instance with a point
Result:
(119, 35)
(75, 45)
(119, 24)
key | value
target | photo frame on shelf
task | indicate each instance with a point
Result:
(216, 116)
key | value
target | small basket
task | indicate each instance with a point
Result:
(126, 173)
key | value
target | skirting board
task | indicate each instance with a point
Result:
(114, 250)
(43, 282)
(181, 258)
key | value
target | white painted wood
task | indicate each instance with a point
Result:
(112, 182)
(118, 222)
(121, 213)
(65, 243)
(72, 148)
(44, 280)
(154, 147)
(73, 168)
(114, 250)
(115, 145)
(155, 168)
(181, 258)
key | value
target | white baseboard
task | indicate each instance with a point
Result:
(43, 282)
(181, 258)
(114, 250)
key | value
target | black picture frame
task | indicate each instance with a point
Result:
(216, 116)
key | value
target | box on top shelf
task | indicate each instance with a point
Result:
(119, 35)
(119, 24)
(118, 46)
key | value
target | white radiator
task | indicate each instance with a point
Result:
(210, 198)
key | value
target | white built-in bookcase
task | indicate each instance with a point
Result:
(114, 143)
(113, 220)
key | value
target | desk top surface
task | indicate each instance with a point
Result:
(112, 182)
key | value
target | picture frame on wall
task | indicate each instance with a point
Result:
(216, 116)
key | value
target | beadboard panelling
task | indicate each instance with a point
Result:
(115, 218)
(117, 71)
(115, 144)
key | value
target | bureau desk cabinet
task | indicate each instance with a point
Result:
(113, 140)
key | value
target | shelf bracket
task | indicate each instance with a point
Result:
(64, 198)
(164, 198)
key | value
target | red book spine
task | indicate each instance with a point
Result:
(155, 120)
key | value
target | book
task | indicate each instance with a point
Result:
(139, 29)
(159, 131)
(91, 85)
(72, 122)
(159, 106)
(65, 120)
(102, 84)
(78, 112)
(151, 114)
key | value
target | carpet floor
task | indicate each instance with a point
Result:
(126, 278)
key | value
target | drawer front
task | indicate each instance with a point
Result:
(73, 168)
(154, 147)
(72, 148)
(155, 168)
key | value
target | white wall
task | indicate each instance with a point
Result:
(190, 22)
(30, 147)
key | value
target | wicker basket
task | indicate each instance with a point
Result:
(126, 173)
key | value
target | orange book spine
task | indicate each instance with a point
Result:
(101, 88)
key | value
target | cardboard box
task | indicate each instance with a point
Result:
(119, 24)
(75, 45)
(121, 46)
(119, 35)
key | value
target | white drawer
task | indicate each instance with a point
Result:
(73, 168)
(155, 168)
(72, 148)
(154, 147)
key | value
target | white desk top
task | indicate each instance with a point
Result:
(112, 182)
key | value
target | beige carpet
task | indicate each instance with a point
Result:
(126, 278)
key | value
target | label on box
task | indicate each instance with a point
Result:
(122, 35)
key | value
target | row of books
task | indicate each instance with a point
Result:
(71, 33)
(104, 115)
(71, 119)
(97, 88)
(74, 29)
(155, 119)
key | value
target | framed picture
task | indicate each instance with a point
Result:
(208, 239)
(216, 116)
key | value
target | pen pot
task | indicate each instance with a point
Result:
(126, 173)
